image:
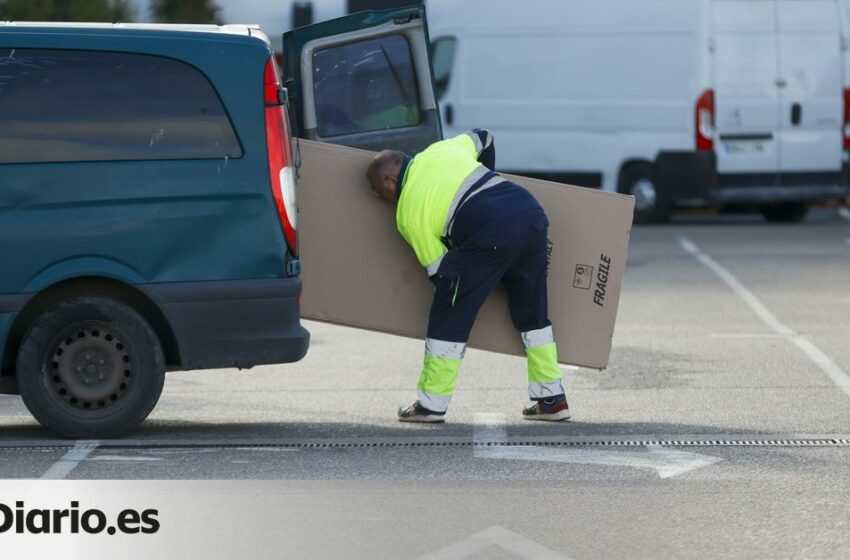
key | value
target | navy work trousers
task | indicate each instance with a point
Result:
(499, 236)
(486, 249)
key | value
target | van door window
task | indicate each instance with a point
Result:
(365, 86)
(64, 105)
(442, 59)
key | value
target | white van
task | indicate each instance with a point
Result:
(679, 102)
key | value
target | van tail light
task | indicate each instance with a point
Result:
(704, 125)
(846, 127)
(281, 173)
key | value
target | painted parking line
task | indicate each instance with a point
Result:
(490, 441)
(744, 335)
(495, 537)
(69, 461)
(824, 362)
(844, 213)
(129, 458)
(489, 427)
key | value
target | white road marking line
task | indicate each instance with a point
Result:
(123, 458)
(844, 213)
(177, 451)
(497, 536)
(490, 428)
(63, 467)
(666, 462)
(745, 335)
(838, 376)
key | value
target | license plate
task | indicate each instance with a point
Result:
(744, 147)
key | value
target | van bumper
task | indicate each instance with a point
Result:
(234, 323)
(691, 179)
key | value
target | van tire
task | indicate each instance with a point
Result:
(90, 367)
(785, 213)
(652, 204)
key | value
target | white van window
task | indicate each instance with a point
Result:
(442, 60)
(365, 86)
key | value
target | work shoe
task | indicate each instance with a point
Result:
(555, 410)
(418, 413)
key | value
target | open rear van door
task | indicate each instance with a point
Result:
(364, 81)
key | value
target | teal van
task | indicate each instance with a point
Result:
(148, 212)
(147, 216)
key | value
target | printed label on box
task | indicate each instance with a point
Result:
(583, 277)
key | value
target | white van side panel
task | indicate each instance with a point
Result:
(844, 21)
(616, 82)
(575, 100)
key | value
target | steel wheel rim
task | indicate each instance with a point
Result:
(90, 368)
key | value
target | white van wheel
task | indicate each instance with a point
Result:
(645, 195)
(651, 203)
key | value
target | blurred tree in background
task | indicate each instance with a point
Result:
(185, 11)
(66, 10)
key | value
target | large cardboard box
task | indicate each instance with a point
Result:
(358, 271)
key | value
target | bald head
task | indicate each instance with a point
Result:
(383, 173)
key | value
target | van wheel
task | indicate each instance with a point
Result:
(652, 204)
(90, 367)
(787, 212)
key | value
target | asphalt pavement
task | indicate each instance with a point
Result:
(720, 429)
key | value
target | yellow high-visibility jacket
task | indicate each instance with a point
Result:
(433, 186)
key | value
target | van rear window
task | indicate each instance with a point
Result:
(64, 105)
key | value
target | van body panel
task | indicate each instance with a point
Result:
(844, 22)
(811, 103)
(746, 94)
(201, 220)
(779, 99)
(110, 267)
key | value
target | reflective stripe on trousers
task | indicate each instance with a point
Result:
(544, 375)
(437, 403)
(439, 373)
(444, 349)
